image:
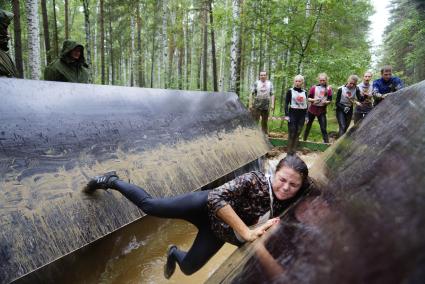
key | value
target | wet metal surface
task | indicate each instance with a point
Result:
(368, 225)
(54, 136)
(135, 253)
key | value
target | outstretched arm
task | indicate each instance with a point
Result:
(228, 215)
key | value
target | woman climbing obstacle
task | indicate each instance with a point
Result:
(223, 214)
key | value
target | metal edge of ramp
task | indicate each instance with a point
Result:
(55, 135)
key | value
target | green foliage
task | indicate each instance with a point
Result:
(404, 38)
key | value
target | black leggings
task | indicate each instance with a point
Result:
(322, 122)
(191, 207)
(295, 126)
(344, 120)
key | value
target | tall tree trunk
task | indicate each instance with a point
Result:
(180, 43)
(66, 19)
(188, 53)
(164, 43)
(102, 41)
(213, 53)
(87, 29)
(261, 48)
(46, 31)
(17, 38)
(235, 51)
(132, 28)
(223, 50)
(198, 77)
(140, 65)
(33, 39)
(95, 65)
(111, 45)
(205, 49)
(153, 42)
(171, 49)
(55, 30)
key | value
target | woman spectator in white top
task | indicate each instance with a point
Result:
(295, 112)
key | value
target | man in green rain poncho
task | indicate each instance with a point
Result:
(7, 67)
(70, 67)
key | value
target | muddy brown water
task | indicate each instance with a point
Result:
(141, 258)
(137, 253)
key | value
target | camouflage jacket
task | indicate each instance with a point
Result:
(7, 67)
(249, 197)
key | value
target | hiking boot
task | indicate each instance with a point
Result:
(101, 182)
(170, 265)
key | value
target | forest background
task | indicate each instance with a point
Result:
(217, 45)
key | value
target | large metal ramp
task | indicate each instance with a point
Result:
(368, 226)
(53, 136)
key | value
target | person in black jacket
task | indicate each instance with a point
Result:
(295, 112)
(345, 99)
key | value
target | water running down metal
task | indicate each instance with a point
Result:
(55, 135)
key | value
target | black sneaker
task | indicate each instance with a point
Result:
(101, 182)
(170, 265)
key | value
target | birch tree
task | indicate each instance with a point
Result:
(213, 55)
(132, 51)
(33, 39)
(235, 52)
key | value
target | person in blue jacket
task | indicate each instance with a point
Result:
(386, 84)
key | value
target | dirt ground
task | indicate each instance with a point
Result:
(278, 153)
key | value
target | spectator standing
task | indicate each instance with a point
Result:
(320, 96)
(386, 84)
(259, 100)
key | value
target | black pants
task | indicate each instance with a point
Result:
(295, 126)
(344, 120)
(191, 207)
(264, 114)
(323, 124)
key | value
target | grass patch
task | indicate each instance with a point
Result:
(279, 126)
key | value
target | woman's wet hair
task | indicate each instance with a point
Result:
(296, 163)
